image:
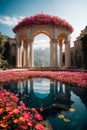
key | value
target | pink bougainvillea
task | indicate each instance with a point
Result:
(41, 19)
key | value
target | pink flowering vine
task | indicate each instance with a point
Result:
(41, 19)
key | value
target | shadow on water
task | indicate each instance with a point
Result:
(64, 106)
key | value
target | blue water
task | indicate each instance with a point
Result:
(56, 99)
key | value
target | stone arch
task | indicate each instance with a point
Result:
(57, 29)
(22, 50)
(63, 41)
(41, 56)
(43, 31)
(62, 37)
(47, 32)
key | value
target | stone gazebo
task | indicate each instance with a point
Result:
(57, 29)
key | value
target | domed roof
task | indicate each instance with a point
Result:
(43, 19)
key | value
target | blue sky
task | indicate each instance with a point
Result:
(12, 11)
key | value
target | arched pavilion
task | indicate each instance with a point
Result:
(58, 30)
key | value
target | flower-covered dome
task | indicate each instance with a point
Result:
(43, 19)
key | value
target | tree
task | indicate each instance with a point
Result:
(6, 53)
(3, 63)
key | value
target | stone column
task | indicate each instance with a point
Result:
(51, 54)
(60, 55)
(56, 52)
(31, 54)
(20, 55)
(31, 87)
(24, 54)
(67, 53)
(27, 55)
(17, 55)
(17, 51)
(61, 88)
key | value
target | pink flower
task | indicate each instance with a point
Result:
(39, 126)
(2, 110)
(30, 122)
(18, 115)
(41, 109)
(34, 110)
(38, 116)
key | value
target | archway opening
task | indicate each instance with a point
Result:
(41, 50)
(62, 38)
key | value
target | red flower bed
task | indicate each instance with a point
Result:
(73, 78)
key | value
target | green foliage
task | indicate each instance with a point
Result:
(3, 63)
(1, 44)
(6, 53)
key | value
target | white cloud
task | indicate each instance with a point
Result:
(41, 86)
(42, 90)
(10, 21)
(41, 43)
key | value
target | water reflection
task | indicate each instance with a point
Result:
(43, 92)
(62, 103)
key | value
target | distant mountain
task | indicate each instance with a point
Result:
(42, 55)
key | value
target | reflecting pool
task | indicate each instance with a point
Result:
(65, 107)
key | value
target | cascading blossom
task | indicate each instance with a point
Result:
(43, 19)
